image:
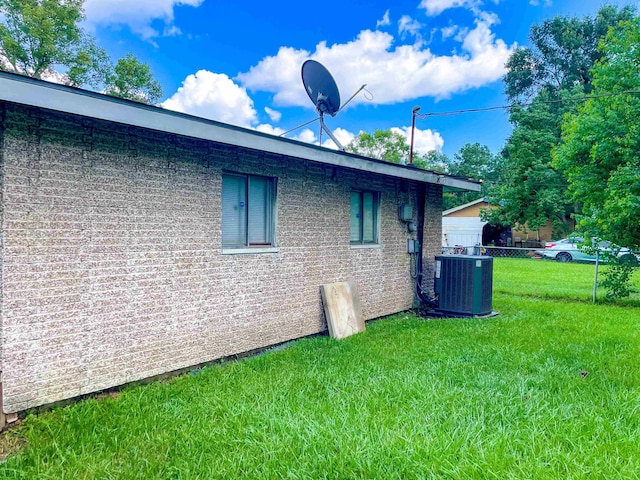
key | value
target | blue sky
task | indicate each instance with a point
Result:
(239, 62)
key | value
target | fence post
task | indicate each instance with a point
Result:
(595, 277)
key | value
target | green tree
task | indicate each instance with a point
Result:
(432, 160)
(562, 53)
(133, 80)
(557, 67)
(43, 39)
(600, 149)
(384, 145)
(530, 190)
(37, 36)
(391, 146)
(475, 161)
(472, 161)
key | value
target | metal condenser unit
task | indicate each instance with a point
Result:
(464, 284)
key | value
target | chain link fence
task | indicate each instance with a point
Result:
(513, 252)
(625, 258)
(529, 252)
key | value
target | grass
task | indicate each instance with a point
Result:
(548, 389)
(553, 280)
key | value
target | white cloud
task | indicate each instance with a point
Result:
(270, 129)
(461, 35)
(436, 7)
(384, 21)
(544, 3)
(171, 31)
(214, 96)
(424, 141)
(137, 14)
(408, 25)
(449, 31)
(311, 136)
(53, 76)
(306, 135)
(392, 74)
(343, 136)
(274, 115)
(477, 39)
(278, 74)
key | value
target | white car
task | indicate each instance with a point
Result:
(571, 249)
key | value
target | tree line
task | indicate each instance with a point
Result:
(41, 38)
(473, 160)
(574, 151)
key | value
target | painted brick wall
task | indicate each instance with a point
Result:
(112, 263)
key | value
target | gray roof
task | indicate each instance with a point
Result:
(38, 93)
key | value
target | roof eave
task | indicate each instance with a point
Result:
(37, 93)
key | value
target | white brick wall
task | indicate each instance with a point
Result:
(112, 268)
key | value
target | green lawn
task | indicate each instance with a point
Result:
(550, 279)
(548, 389)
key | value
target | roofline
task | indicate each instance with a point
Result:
(462, 207)
(39, 93)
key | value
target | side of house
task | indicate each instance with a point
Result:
(137, 242)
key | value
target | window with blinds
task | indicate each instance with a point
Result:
(248, 203)
(365, 206)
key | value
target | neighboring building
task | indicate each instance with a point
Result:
(462, 226)
(138, 241)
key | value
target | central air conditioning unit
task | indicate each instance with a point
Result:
(464, 284)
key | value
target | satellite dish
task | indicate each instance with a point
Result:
(323, 92)
(321, 87)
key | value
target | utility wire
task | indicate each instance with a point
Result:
(423, 116)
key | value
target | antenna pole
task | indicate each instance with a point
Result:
(413, 127)
(352, 97)
(299, 126)
(331, 135)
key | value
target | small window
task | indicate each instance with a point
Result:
(365, 206)
(247, 210)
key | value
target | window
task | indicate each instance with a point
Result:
(247, 210)
(365, 206)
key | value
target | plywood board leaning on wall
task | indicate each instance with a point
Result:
(342, 309)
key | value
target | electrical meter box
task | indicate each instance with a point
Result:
(413, 246)
(406, 213)
(464, 284)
